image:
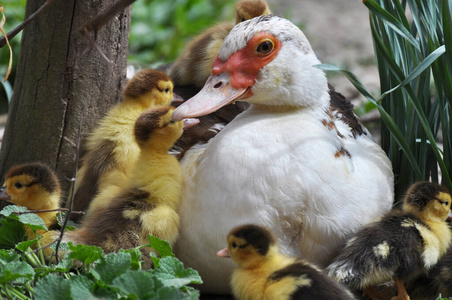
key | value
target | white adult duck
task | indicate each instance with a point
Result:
(288, 163)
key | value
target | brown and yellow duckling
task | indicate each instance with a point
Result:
(400, 246)
(149, 202)
(264, 273)
(111, 150)
(194, 65)
(36, 187)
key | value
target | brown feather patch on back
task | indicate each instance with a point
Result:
(258, 237)
(99, 161)
(41, 173)
(109, 226)
(343, 110)
(143, 82)
(148, 121)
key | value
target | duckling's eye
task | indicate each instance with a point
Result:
(234, 245)
(447, 203)
(18, 185)
(265, 47)
(167, 90)
(242, 19)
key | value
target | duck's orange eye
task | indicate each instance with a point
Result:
(265, 47)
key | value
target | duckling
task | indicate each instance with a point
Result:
(194, 65)
(149, 203)
(264, 273)
(399, 246)
(111, 150)
(36, 187)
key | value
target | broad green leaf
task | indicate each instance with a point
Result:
(12, 232)
(32, 220)
(7, 256)
(63, 247)
(82, 287)
(85, 254)
(64, 266)
(53, 287)
(135, 256)
(162, 247)
(23, 246)
(14, 270)
(111, 266)
(172, 273)
(141, 284)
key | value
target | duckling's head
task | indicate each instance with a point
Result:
(154, 128)
(249, 245)
(150, 87)
(32, 185)
(428, 200)
(248, 9)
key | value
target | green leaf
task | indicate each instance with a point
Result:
(14, 270)
(63, 247)
(82, 287)
(53, 287)
(172, 273)
(32, 220)
(71, 225)
(112, 265)
(138, 283)
(23, 246)
(7, 256)
(12, 232)
(65, 265)
(135, 256)
(391, 21)
(85, 254)
(162, 247)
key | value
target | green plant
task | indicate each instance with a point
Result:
(160, 29)
(24, 274)
(414, 60)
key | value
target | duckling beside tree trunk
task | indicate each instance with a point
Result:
(400, 246)
(264, 273)
(149, 202)
(111, 150)
(36, 187)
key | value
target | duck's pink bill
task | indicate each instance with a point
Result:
(224, 253)
(189, 122)
(449, 217)
(3, 195)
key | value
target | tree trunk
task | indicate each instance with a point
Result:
(61, 81)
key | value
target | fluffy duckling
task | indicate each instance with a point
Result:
(111, 150)
(36, 187)
(264, 273)
(194, 65)
(400, 245)
(149, 203)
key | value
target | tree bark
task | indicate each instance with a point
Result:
(61, 82)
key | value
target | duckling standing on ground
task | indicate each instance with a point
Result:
(194, 65)
(264, 273)
(399, 246)
(111, 148)
(149, 203)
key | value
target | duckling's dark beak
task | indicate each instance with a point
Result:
(449, 217)
(177, 99)
(224, 253)
(4, 195)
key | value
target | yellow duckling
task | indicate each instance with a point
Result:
(399, 246)
(264, 273)
(111, 150)
(194, 65)
(149, 203)
(35, 187)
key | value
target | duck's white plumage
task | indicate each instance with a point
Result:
(286, 163)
